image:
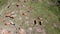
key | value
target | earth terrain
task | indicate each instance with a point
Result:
(29, 17)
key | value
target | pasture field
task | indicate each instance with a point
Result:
(17, 17)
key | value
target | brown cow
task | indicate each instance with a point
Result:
(17, 5)
(35, 22)
(39, 20)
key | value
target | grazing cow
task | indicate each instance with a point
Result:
(7, 15)
(19, 0)
(22, 5)
(24, 14)
(34, 21)
(40, 23)
(24, 0)
(39, 17)
(12, 23)
(28, 11)
(10, 15)
(8, 23)
(39, 20)
(17, 5)
(19, 28)
(30, 7)
(8, 6)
